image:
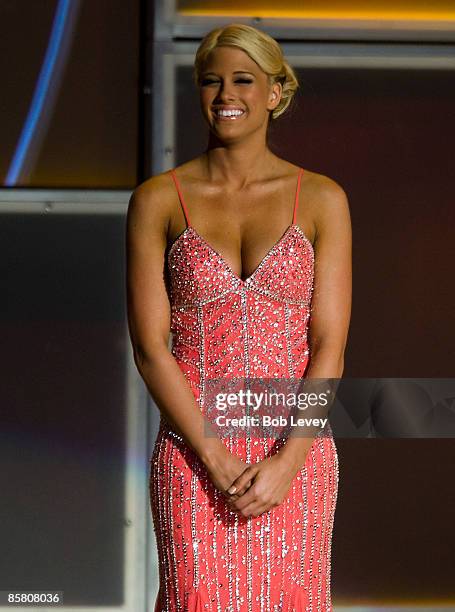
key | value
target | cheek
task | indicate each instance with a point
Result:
(205, 98)
(256, 100)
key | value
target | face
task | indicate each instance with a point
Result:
(235, 95)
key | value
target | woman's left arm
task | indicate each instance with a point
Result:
(271, 479)
(330, 305)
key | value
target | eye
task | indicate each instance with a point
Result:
(210, 81)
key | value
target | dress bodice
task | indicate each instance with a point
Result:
(223, 325)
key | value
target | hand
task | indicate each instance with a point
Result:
(262, 486)
(224, 468)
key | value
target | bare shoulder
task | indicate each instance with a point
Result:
(152, 198)
(326, 191)
(329, 203)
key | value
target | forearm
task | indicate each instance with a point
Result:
(175, 400)
(325, 362)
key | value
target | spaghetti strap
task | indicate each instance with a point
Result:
(296, 203)
(182, 202)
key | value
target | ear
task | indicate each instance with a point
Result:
(274, 96)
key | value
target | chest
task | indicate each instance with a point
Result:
(199, 274)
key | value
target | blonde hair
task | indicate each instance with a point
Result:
(261, 48)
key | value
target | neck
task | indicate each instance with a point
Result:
(237, 164)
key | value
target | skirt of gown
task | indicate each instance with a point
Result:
(211, 558)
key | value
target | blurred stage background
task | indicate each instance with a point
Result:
(96, 96)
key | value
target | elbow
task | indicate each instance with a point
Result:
(340, 366)
(146, 357)
(335, 347)
(329, 355)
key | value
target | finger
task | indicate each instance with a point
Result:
(255, 509)
(246, 499)
(240, 484)
(235, 496)
(242, 490)
(254, 502)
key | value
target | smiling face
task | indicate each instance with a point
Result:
(235, 94)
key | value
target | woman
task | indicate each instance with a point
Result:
(228, 251)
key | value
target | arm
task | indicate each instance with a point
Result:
(328, 329)
(149, 319)
(331, 303)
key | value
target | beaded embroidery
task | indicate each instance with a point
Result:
(212, 558)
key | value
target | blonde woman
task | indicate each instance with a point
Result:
(246, 259)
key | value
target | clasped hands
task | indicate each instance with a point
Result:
(256, 487)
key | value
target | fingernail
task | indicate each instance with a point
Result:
(232, 490)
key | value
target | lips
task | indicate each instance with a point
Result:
(229, 114)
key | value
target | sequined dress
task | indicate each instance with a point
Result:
(211, 558)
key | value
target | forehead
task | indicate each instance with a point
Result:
(229, 59)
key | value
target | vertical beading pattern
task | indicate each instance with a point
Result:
(210, 557)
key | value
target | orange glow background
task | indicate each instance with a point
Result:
(443, 10)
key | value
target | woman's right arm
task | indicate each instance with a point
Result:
(149, 321)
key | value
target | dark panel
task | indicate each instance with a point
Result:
(62, 438)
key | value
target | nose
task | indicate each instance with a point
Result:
(225, 93)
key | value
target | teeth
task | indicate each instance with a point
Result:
(229, 113)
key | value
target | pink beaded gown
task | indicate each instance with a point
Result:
(211, 558)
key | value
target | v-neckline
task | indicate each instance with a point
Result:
(224, 261)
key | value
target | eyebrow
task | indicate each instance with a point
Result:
(235, 72)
